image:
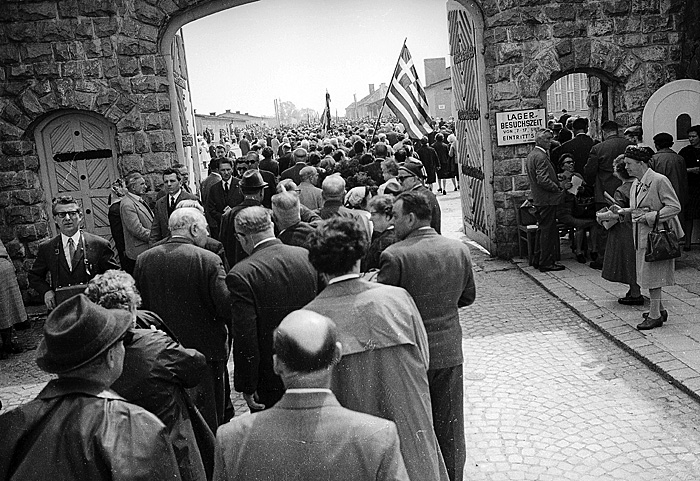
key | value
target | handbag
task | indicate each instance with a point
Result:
(662, 244)
(584, 207)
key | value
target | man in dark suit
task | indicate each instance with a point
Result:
(73, 257)
(253, 162)
(579, 147)
(222, 196)
(599, 172)
(546, 195)
(115, 218)
(174, 193)
(137, 220)
(269, 164)
(293, 172)
(185, 285)
(213, 177)
(252, 187)
(286, 160)
(286, 214)
(411, 175)
(437, 272)
(274, 280)
(308, 435)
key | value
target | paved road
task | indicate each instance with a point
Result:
(547, 398)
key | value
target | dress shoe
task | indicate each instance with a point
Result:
(650, 323)
(552, 268)
(22, 326)
(631, 301)
(664, 315)
(596, 265)
(594, 256)
(581, 258)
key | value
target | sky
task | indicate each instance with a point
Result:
(294, 50)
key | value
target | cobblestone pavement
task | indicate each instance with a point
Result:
(549, 398)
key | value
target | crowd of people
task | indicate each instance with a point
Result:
(319, 268)
(611, 194)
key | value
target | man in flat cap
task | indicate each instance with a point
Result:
(411, 175)
(665, 161)
(308, 435)
(77, 428)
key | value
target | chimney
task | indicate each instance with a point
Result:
(434, 70)
(228, 111)
(371, 89)
(213, 114)
(245, 113)
(238, 111)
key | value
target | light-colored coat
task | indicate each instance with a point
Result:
(136, 221)
(655, 192)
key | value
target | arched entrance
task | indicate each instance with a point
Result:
(77, 157)
(672, 109)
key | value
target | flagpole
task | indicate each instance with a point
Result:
(398, 61)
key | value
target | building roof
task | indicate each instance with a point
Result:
(448, 71)
(376, 96)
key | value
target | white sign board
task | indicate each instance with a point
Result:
(519, 126)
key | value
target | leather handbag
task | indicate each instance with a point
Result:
(662, 244)
(68, 292)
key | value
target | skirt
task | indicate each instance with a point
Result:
(11, 305)
(651, 275)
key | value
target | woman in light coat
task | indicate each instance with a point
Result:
(651, 195)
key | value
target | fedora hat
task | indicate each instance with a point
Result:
(252, 179)
(413, 167)
(77, 332)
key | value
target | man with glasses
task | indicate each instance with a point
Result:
(411, 175)
(78, 413)
(73, 257)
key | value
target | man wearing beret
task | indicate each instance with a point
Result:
(77, 428)
(411, 175)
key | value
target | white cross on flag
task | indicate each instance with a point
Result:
(406, 97)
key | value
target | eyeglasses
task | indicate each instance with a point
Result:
(69, 213)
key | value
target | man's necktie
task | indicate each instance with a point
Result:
(172, 204)
(145, 204)
(226, 189)
(71, 251)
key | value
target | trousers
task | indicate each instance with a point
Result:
(447, 399)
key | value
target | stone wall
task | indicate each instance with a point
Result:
(632, 45)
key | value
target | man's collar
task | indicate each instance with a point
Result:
(308, 390)
(263, 241)
(344, 277)
(75, 237)
(541, 148)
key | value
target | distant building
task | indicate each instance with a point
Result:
(226, 124)
(570, 93)
(438, 88)
(370, 105)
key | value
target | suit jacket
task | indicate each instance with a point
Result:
(579, 147)
(206, 185)
(270, 166)
(293, 172)
(52, 259)
(217, 202)
(227, 233)
(599, 168)
(285, 161)
(116, 228)
(185, 285)
(668, 163)
(296, 235)
(310, 196)
(435, 211)
(437, 272)
(333, 208)
(310, 437)
(137, 220)
(161, 215)
(543, 179)
(273, 281)
(655, 192)
(271, 188)
(384, 368)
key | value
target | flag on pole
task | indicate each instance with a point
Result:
(326, 115)
(406, 97)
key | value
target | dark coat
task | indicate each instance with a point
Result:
(374, 170)
(672, 165)
(270, 166)
(227, 233)
(380, 242)
(293, 172)
(437, 272)
(430, 161)
(185, 285)
(156, 371)
(117, 230)
(51, 258)
(271, 188)
(579, 147)
(285, 161)
(435, 211)
(296, 235)
(544, 184)
(217, 202)
(161, 215)
(75, 429)
(599, 168)
(273, 281)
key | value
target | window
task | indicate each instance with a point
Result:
(683, 122)
(569, 82)
(557, 101)
(570, 101)
(584, 99)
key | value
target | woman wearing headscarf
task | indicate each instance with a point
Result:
(652, 199)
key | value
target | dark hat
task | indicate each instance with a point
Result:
(77, 332)
(252, 179)
(634, 130)
(392, 189)
(663, 138)
(413, 167)
(641, 154)
(557, 126)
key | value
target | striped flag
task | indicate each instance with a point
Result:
(406, 97)
(326, 115)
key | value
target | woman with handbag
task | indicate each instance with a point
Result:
(653, 204)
